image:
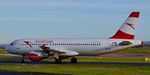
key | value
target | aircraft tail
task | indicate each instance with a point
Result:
(127, 30)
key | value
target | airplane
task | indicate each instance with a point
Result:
(37, 49)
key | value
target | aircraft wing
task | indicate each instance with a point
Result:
(66, 52)
(58, 52)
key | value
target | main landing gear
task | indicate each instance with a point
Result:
(59, 61)
(73, 60)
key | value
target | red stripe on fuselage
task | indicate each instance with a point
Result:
(122, 35)
(28, 43)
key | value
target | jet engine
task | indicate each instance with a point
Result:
(37, 55)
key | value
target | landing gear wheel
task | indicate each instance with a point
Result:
(23, 59)
(73, 60)
(58, 61)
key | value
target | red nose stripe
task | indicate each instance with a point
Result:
(135, 14)
(122, 35)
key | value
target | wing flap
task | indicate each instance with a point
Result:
(59, 52)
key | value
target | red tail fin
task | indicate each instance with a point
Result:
(128, 28)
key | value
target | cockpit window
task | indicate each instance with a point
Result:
(11, 44)
(16, 42)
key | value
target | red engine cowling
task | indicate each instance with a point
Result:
(36, 55)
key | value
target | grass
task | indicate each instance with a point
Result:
(99, 59)
(86, 69)
(2, 51)
(80, 69)
(135, 50)
(5, 57)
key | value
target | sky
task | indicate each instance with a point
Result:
(70, 18)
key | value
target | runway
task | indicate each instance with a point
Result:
(25, 73)
(16, 61)
(22, 73)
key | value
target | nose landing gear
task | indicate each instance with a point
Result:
(23, 59)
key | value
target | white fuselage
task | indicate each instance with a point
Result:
(85, 47)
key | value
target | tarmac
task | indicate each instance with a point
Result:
(16, 61)
(21, 73)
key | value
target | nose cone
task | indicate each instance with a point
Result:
(11, 49)
(8, 49)
(15, 50)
